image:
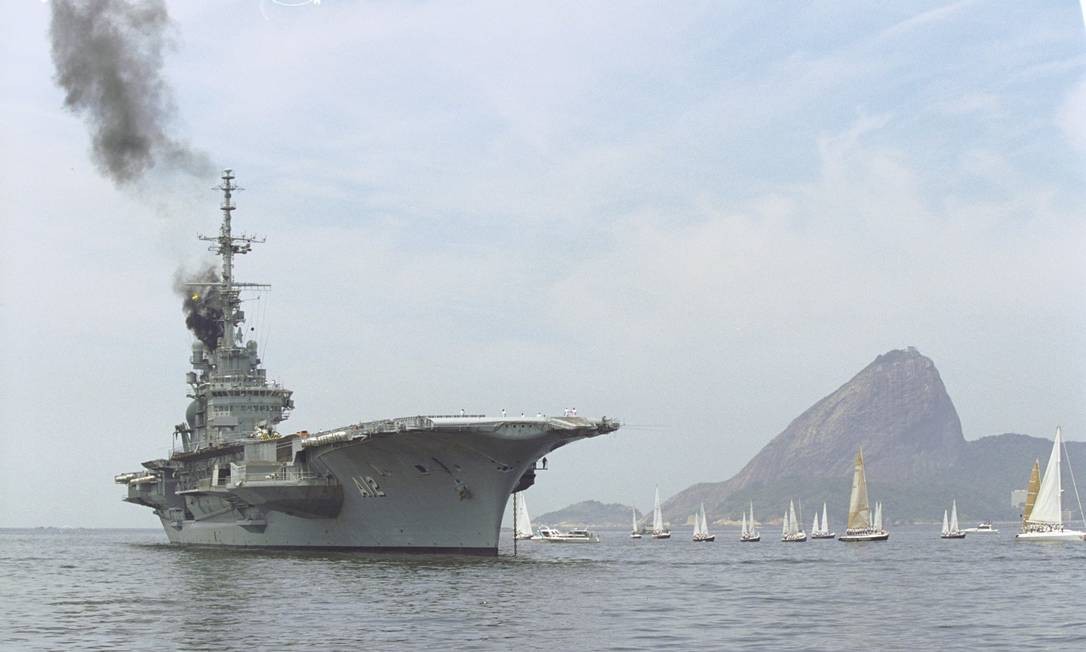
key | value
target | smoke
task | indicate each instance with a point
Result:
(202, 304)
(108, 59)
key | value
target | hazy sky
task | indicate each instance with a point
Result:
(698, 218)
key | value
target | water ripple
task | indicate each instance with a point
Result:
(102, 589)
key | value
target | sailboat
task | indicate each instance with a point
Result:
(659, 530)
(522, 522)
(792, 531)
(950, 528)
(1044, 521)
(860, 526)
(749, 533)
(701, 526)
(822, 532)
(635, 532)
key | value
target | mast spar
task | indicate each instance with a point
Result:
(227, 245)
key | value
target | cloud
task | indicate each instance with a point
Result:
(926, 19)
(1071, 116)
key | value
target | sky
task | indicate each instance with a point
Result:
(699, 219)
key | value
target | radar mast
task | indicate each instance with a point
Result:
(226, 245)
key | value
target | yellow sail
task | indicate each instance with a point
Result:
(1031, 489)
(859, 510)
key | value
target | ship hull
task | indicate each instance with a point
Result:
(1051, 536)
(859, 538)
(429, 491)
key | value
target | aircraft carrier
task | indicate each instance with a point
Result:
(436, 483)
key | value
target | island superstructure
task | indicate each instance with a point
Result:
(436, 483)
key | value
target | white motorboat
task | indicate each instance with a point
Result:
(860, 525)
(984, 527)
(1044, 518)
(578, 535)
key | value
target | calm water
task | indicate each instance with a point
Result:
(109, 589)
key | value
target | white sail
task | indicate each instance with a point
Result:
(1048, 508)
(657, 514)
(752, 517)
(744, 531)
(784, 525)
(814, 525)
(793, 524)
(878, 515)
(825, 519)
(954, 517)
(524, 522)
(946, 525)
(701, 524)
(633, 514)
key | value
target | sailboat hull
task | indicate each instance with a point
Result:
(794, 538)
(635, 536)
(1055, 535)
(829, 535)
(872, 536)
(711, 537)
(661, 535)
(953, 535)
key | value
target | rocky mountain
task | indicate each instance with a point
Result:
(917, 460)
(590, 513)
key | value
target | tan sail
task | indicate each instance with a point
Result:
(859, 510)
(1031, 489)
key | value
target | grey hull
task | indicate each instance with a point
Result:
(442, 490)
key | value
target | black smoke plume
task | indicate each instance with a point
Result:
(108, 59)
(202, 304)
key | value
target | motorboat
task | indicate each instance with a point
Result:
(577, 535)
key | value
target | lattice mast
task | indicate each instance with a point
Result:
(226, 245)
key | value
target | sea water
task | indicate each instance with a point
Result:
(129, 589)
